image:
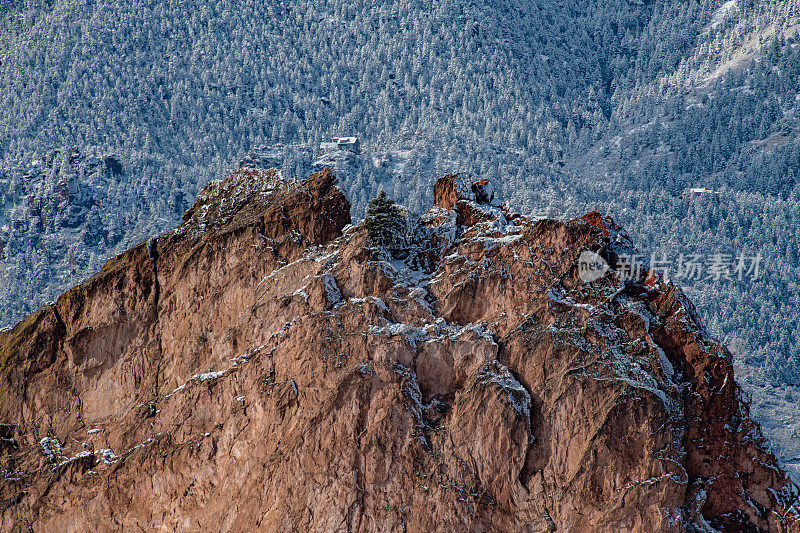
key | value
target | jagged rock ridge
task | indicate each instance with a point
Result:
(264, 367)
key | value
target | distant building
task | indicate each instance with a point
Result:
(351, 144)
(699, 191)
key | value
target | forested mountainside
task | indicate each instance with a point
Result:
(114, 115)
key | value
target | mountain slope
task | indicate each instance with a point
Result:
(263, 367)
(178, 90)
(567, 106)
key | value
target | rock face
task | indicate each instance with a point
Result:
(262, 368)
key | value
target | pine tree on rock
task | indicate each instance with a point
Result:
(384, 222)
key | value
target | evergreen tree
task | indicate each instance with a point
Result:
(384, 222)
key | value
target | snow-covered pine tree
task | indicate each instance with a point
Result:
(385, 223)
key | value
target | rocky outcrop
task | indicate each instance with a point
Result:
(262, 368)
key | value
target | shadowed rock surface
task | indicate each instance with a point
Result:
(263, 368)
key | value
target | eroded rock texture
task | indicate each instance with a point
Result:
(263, 368)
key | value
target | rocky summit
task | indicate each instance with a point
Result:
(268, 366)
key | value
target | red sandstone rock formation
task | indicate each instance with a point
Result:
(260, 368)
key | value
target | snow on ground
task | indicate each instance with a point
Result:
(774, 407)
(719, 15)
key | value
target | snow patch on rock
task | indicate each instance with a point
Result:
(332, 292)
(51, 448)
(496, 373)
